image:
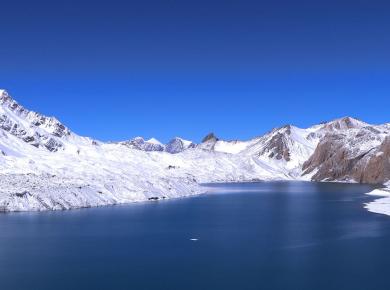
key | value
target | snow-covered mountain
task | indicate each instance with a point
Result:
(351, 150)
(176, 145)
(46, 166)
(148, 145)
(31, 127)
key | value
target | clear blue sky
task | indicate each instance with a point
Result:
(118, 69)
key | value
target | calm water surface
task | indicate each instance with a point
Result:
(279, 235)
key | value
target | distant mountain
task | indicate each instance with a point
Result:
(45, 166)
(148, 145)
(177, 145)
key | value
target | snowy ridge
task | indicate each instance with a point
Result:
(232, 147)
(176, 145)
(45, 166)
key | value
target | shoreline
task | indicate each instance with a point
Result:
(380, 205)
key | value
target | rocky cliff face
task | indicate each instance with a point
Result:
(359, 153)
(377, 168)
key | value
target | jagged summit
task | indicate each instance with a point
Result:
(209, 137)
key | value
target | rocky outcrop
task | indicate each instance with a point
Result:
(208, 142)
(277, 146)
(329, 159)
(209, 137)
(177, 145)
(377, 169)
(360, 155)
(140, 144)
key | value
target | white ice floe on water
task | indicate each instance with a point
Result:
(380, 205)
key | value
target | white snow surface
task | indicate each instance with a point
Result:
(232, 147)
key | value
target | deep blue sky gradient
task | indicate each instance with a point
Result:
(118, 69)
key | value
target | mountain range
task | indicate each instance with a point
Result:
(46, 166)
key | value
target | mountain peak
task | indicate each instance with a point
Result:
(344, 123)
(3, 92)
(5, 97)
(208, 137)
(148, 145)
(154, 141)
(178, 144)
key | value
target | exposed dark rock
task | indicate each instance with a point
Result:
(177, 145)
(377, 168)
(140, 144)
(28, 139)
(209, 137)
(21, 194)
(277, 148)
(208, 142)
(52, 145)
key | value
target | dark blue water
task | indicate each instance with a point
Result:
(278, 235)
